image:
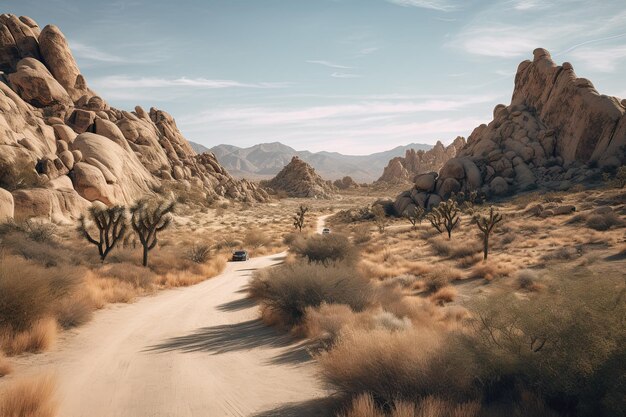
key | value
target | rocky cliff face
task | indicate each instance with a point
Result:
(402, 170)
(555, 132)
(299, 179)
(63, 147)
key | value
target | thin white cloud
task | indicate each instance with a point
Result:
(440, 5)
(368, 51)
(328, 64)
(80, 50)
(500, 31)
(601, 59)
(344, 75)
(269, 116)
(127, 82)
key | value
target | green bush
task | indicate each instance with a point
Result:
(326, 249)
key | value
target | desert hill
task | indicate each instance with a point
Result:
(62, 146)
(557, 131)
(266, 159)
(404, 169)
(299, 179)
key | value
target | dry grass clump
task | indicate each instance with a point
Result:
(255, 238)
(38, 337)
(454, 248)
(392, 365)
(199, 253)
(287, 290)
(527, 280)
(444, 295)
(5, 365)
(491, 270)
(361, 234)
(365, 406)
(604, 221)
(439, 277)
(326, 249)
(29, 397)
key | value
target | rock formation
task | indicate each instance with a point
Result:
(63, 147)
(557, 130)
(299, 179)
(402, 170)
(345, 183)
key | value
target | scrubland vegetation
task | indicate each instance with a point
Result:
(406, 320)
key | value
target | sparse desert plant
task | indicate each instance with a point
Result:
(29, 397)
(256, 238)
(111, 224)
(286, 291)
(361, 234)
(603, 221)
(39, 231)
(570, 353)
(299, 219)
(439, 277)
(454, 249)
(486, 225)
(444, 295)
(491, 270)
(414, 216)
(396, 365)
(326, 249)
(527, 280)
(380, 217)
(5, 366)
(445, 216)
(199, 253)
(148, 218)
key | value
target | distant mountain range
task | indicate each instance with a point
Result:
(265, 160)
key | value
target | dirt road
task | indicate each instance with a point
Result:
(197, 351)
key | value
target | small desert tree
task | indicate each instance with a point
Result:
(445, 216)
(148, 218)
(486, 225)
(300, 217)
(414, 215)
(111, 223)
(380, 217)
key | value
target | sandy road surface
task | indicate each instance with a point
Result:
(197, 351)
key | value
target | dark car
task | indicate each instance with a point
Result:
(326, 231)
(240, 255)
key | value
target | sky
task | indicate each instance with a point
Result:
(351, 76)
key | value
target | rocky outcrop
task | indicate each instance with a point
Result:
(403, 170)
(7, 206)
(346, 183)
(299, 179)
(557, 130)
(63, 147)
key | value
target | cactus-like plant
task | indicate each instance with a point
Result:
(445, 216)
(300, 217)
(414, 215)
(111, 223)
(148, 218)
(486, 225)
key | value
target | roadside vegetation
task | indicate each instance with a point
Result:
(516, 312)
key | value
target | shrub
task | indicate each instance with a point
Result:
(39, 231)
(454, 249)
(287, 290)
(40, 336)
(605, 221)
(29, 292)
(565, 345)
(490, 271)
(199, 253)
(255, 238)
(444, 295)
(361, 234)
(326, 249)
(527, 280)
(398, 365)
(31, 397)
(439, 277)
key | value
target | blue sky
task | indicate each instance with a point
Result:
(353, 76)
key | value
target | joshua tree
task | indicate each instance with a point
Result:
(486, 226)
(299, 217)
(445, 216)
(111, 223)
(380, 217)
(148, 219)
(414, 215)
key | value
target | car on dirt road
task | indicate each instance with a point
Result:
(240, 255)
(326, 231)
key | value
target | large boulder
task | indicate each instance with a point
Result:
(18, 40)
(34, 83)
(60, 206)
(7, 206)
(56, 53)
